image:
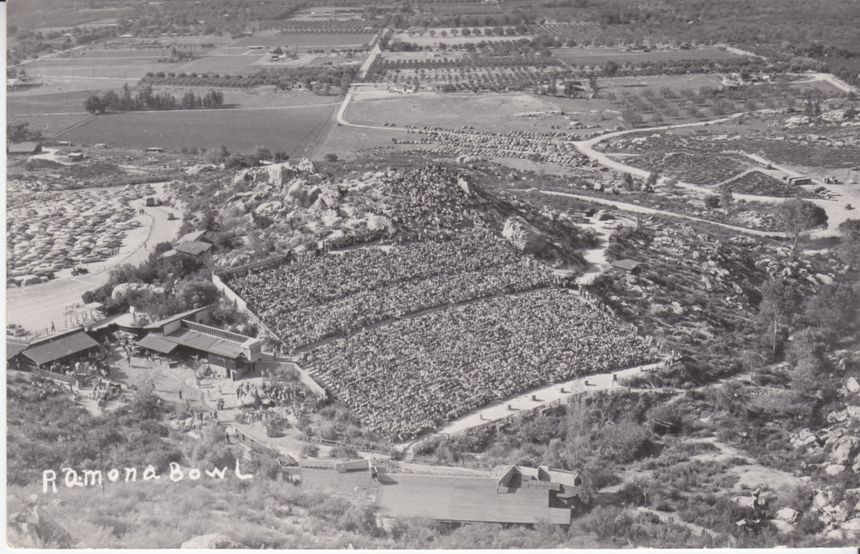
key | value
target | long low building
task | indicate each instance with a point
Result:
(59, 348)
(515, 494)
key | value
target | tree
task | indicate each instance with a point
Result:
(849, 246)
(726, 197)
(610, 69)
(833, 309)
(651, 181)
(19, 132)
(94, 104)
(779, 303)
(216, 155)
(593, 84)
(631, 117)
(628, 181)
(712, 201)
(196, 294)
(798, 217)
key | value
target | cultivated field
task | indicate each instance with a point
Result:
(298, 40)
(49, 125)
(234, 65)
(599, 56)
(293, 130)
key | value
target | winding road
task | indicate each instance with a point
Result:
(836, 210)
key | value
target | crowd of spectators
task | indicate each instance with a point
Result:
(408, 377)
(324, 295)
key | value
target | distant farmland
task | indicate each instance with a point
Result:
(293, 130)
(599, 56)
(307, 40)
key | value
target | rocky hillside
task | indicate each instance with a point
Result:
(285, 207)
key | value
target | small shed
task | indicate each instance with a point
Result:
(630, 266)
(194, 248)
(24, 148)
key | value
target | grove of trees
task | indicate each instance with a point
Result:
(146, 99)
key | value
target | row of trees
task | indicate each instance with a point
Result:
(146, 99)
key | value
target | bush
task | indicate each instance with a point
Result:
(310, 450)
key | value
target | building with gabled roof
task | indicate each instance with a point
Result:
(228, 354)
(58, 347)
(192, 237)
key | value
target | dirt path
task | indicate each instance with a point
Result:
(652, 211)
(836, 211)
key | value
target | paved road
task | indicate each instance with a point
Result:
(836, 211)
(35, 307)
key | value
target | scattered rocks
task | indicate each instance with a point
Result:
(36, 529)
(844, 449)
(214, 540)
(805, 438)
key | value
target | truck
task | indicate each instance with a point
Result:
(152, 201)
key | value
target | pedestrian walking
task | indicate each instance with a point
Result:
(180, 394)
(53, 327)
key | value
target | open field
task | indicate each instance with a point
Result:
(234, 65)
(352, 142)
(456, 40)
(289, 130)
(49, 125)
(84, 74)
(599, 56)
(306, 40)
(166, 42)
(33, 103)
(496, 112)
(126, 53)
(327, 13)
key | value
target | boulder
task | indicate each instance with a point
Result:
(376, 222)
(804, 438)
(844, 449)
(124, 289)
(524, 236)
(851, 387)
(745, 501)
(213, 540)
(821, 499)
(781, 526)
(36, 529)
(834, 469)
(269, 209)
(787, 514)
